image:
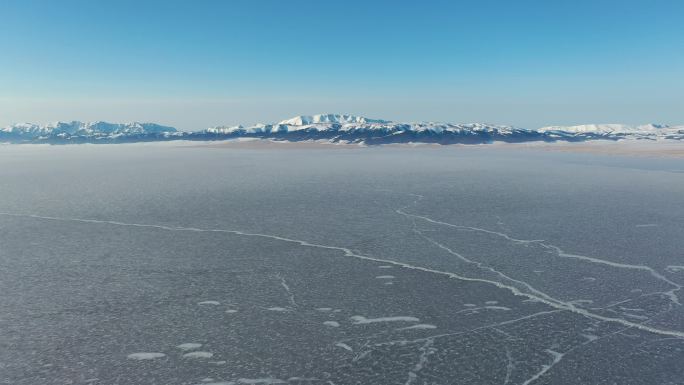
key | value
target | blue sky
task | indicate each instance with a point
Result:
(195, 64)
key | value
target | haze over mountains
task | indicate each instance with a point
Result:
(337, 128)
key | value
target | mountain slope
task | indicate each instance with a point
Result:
(355, 129)
(334, 128)
(76, 131)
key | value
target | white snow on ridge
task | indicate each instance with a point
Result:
(97, 128)
(623, 128)
(303, 120)
(644, 129)
(352, 123)
(338, 127)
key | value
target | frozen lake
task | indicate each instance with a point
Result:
(184, 264)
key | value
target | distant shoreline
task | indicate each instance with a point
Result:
(673, 149)
(657, 149)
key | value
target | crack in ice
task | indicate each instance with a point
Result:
(539, 296)
(290, 294)
(545, 368)
(426, 351)
(510, 366)
(670, 294)
(559, 252)
(477, 329)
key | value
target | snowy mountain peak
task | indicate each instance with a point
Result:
(84, 129)
(338, 128)
(303, 120)
(609, 128)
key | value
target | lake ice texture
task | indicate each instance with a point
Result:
(185, 264)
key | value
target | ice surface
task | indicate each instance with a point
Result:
(269, 380)
(217, 383)
(189, 346)
(145, 356)
(90, 262)
(344, 346)
(277, 308)
(198, 355)
(359, 320)
(419, 326)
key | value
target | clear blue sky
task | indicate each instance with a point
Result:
(195, 64)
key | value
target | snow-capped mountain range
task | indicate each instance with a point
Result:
(334, 128)
(80, 130)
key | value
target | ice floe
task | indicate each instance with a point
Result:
(359, 320)
(217, 383)
(472, 310)
(343, 346)
(503, 308)
(198, 355)
(674, 268)
(189, 346)
(419, 326)
(299, 379)
(145, 356)
(261, 381)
